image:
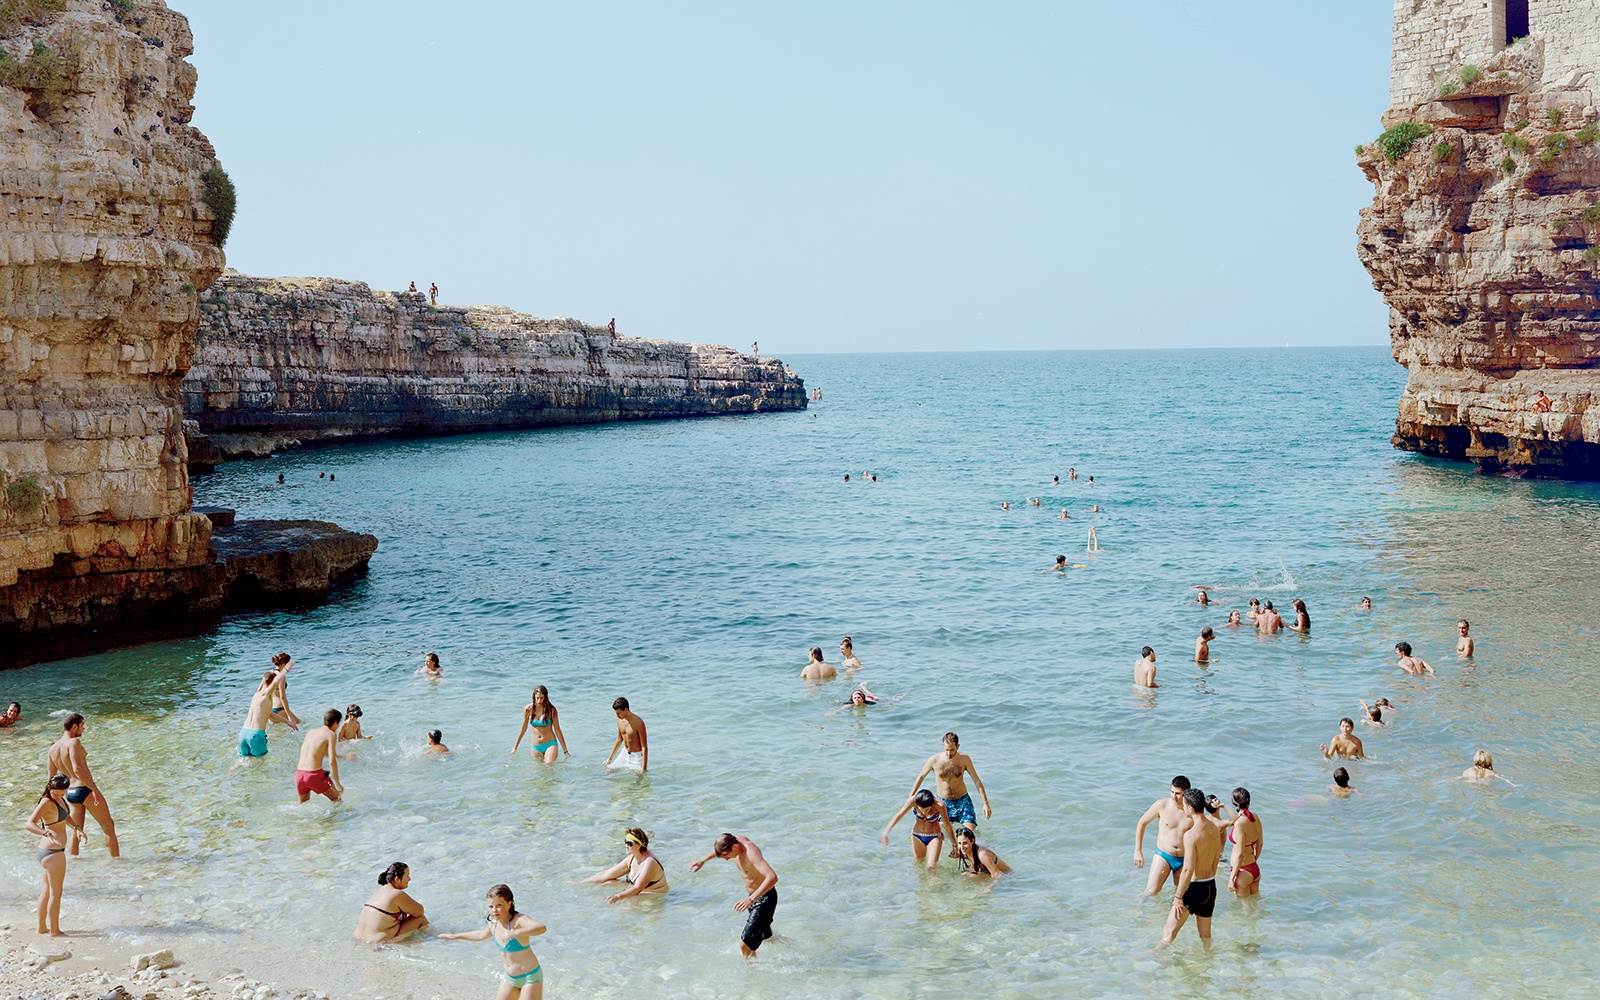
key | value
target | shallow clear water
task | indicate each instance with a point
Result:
(689, 566)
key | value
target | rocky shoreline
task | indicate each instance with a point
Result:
(52, 969)
(281, 362)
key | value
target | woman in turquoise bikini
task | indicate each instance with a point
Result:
(510, 931)
(542, 715)
(49, 822)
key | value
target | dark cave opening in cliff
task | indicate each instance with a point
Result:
(1516, 20)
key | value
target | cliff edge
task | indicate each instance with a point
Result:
(283, 361)
(1484, 238)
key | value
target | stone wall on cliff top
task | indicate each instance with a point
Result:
(1484, 238)
(106, 243)
(282, 360)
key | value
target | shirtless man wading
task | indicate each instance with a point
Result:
(1196, 890)
(1464, 645)
(630, 739)
(949, 785)
(1345, 744)
(760, 882)
(68, 757)
(1144, 669)
(253, 735)
(1416, 666)
(319, 745)
(1169, 835)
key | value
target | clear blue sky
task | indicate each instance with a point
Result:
(820, 176)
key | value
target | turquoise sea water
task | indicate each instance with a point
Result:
(690, 565)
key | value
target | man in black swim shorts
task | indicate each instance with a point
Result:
(1197, 879)
(760, 881)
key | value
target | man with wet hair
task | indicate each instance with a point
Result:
(631, 741)
(1144, 669)
(67, 756)
(1196, 889)
(760, 883)
(319, 745)
(1341, 784)
(1202, 645)
(1464, 644)
(1174, 823)
(1416, 666)
(1345, 743)
(948, 768)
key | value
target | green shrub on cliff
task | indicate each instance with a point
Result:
(222, 199)
(45, 72)
(1446, 89)
(1591, 215)
(1553, 145)
(24, 498)
(1592, 254)
(1442, 152)
(124, 6)
(1470, 75)
(15, 12)
(1515, 142)
(1508, 165)
(1519, 126)
(1560, 223)
(1397, 142)
(1589, 133)
(1554, 114)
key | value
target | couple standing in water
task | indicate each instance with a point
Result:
(1189, 844)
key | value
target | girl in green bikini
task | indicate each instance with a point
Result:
(523, 978)
(542, 716)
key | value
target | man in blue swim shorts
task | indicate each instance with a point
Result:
(1175, 822)
(949, 769)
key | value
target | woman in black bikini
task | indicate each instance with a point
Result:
(932, 826)
(49, 821)
(987, 863)
(390, 913)
(639, 868)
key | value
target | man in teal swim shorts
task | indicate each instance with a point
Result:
(949, 769)
(1174, 823)
(253, 735)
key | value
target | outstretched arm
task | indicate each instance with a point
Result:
(897, 817)
(695, 866)
(609, 875)
(481, 934)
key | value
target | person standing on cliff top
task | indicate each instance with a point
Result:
(631, 741)
(320, 744)
(1541, 403)
(433, 293)
(612, 326)
(67, 756)
(755, 350)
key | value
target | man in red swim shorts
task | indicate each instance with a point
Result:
(318, 746)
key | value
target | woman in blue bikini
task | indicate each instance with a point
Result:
(49, 822)
(931, 829)
(542, 716)
(509, 930)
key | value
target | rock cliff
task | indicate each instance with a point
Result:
(108, 239)
(284, 361)
(1484, 238)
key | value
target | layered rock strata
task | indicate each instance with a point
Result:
(285, 361)
(106, 243)
(1484, 238)
(255, 564)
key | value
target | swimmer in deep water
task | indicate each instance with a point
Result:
(1064, 516)
(931, 827)
(1035, 501)
(436, 743)
(1201, 597)
(49, 822)
(1005, 505)
(1372, 715)
(1196, 889)
(1482, 769)
(1416, 666)
(1255, 609)
(1345, 743)
(1072, 475)
(1341, 787)
(1202, 646)
(639, 868)
(817, 669)
(1302, 618)
(1365, 605)
(1144, 669)
(861, 697)
(390, 913)
(1061, 564)
(542, 716)
(1173, 824)
(1092, 542)
(1464, 644)
(11, 715)
(522, 976)
(430, 666)
(978, 861)
(847, 654)
(1233, 619)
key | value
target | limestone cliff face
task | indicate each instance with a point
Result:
(1480, 240)
(105, 243)
(290, 360)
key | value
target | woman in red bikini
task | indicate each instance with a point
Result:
(390, 913)
(1245, 835)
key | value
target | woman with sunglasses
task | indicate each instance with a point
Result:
(639, 868)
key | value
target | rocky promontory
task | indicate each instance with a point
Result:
(1484, 238)
(115, 210)
(283, 361)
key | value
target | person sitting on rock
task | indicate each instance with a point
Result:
(1541, 403)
